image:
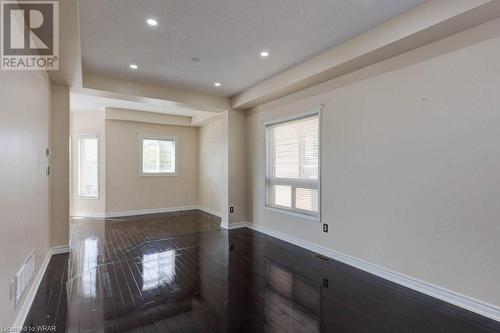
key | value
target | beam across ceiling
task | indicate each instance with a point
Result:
(146, 117)
(147, 91)
(427, 23)
(123, 96)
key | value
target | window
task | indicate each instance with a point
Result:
(158, 156)
(293, 182)
(88, 166)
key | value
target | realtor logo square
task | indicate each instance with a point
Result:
(30, 35)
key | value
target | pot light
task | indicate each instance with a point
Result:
(152, 22)
(264, 54)
(133, 66)
(217, 84)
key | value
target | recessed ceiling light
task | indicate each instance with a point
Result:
(217, 84)
(264, 54)
(152, 22)
(133, 66)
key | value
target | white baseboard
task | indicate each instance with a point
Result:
(485, 309)
(236, 225)
(209, 211)
(145, 212)
(25, 306)
(90, 215)
(148, 211)
(60, 249)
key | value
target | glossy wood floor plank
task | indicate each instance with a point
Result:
(49, 309)
(183, 273)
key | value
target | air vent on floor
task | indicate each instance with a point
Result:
(24, 275)
(323, 258)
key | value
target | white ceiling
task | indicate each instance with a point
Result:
(227, 35)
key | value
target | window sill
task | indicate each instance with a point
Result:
(157, 174)
(294, 214)
(81, 197)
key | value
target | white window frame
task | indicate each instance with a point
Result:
(294, 183)
(158, 137)
(78, 166)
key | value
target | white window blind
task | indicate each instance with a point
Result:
(158, 156)
(293, 165)
(88, 166)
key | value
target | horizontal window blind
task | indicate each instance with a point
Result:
(293, 165)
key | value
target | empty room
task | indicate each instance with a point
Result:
(250, 166)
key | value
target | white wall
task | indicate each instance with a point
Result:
(237, 169)
(411, 157)
(83, 123)
(126, 190)
(211, 166)
(59, 164)
(24, 187)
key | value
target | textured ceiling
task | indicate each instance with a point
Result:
(227, 35)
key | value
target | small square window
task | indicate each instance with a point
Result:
(158, 156)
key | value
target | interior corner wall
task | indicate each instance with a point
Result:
(237, 166)
(410, 163)
(25, 98)
(59, 164)
(128, 191)
(85, 123)
(211, 159)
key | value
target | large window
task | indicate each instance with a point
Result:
(158, 155)
(88, 166)
(293, 182)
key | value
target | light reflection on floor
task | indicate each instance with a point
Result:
(89, 283)
(291, 301)
(158, 269)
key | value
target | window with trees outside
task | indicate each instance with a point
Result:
(158, 155)
(293, 165)
(88, 166)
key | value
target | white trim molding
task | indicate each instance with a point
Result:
(25, 306)
(89, 215)
(209, 211)
(145, 212)
(148, 211)
(474, 305)
(236, 225)
(60, 249)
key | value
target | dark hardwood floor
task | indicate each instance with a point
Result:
(182, 273)
(49, 310)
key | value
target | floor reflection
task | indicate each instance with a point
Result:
(292, 303)
(182, 273)
(89, 268)
(157, 269)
